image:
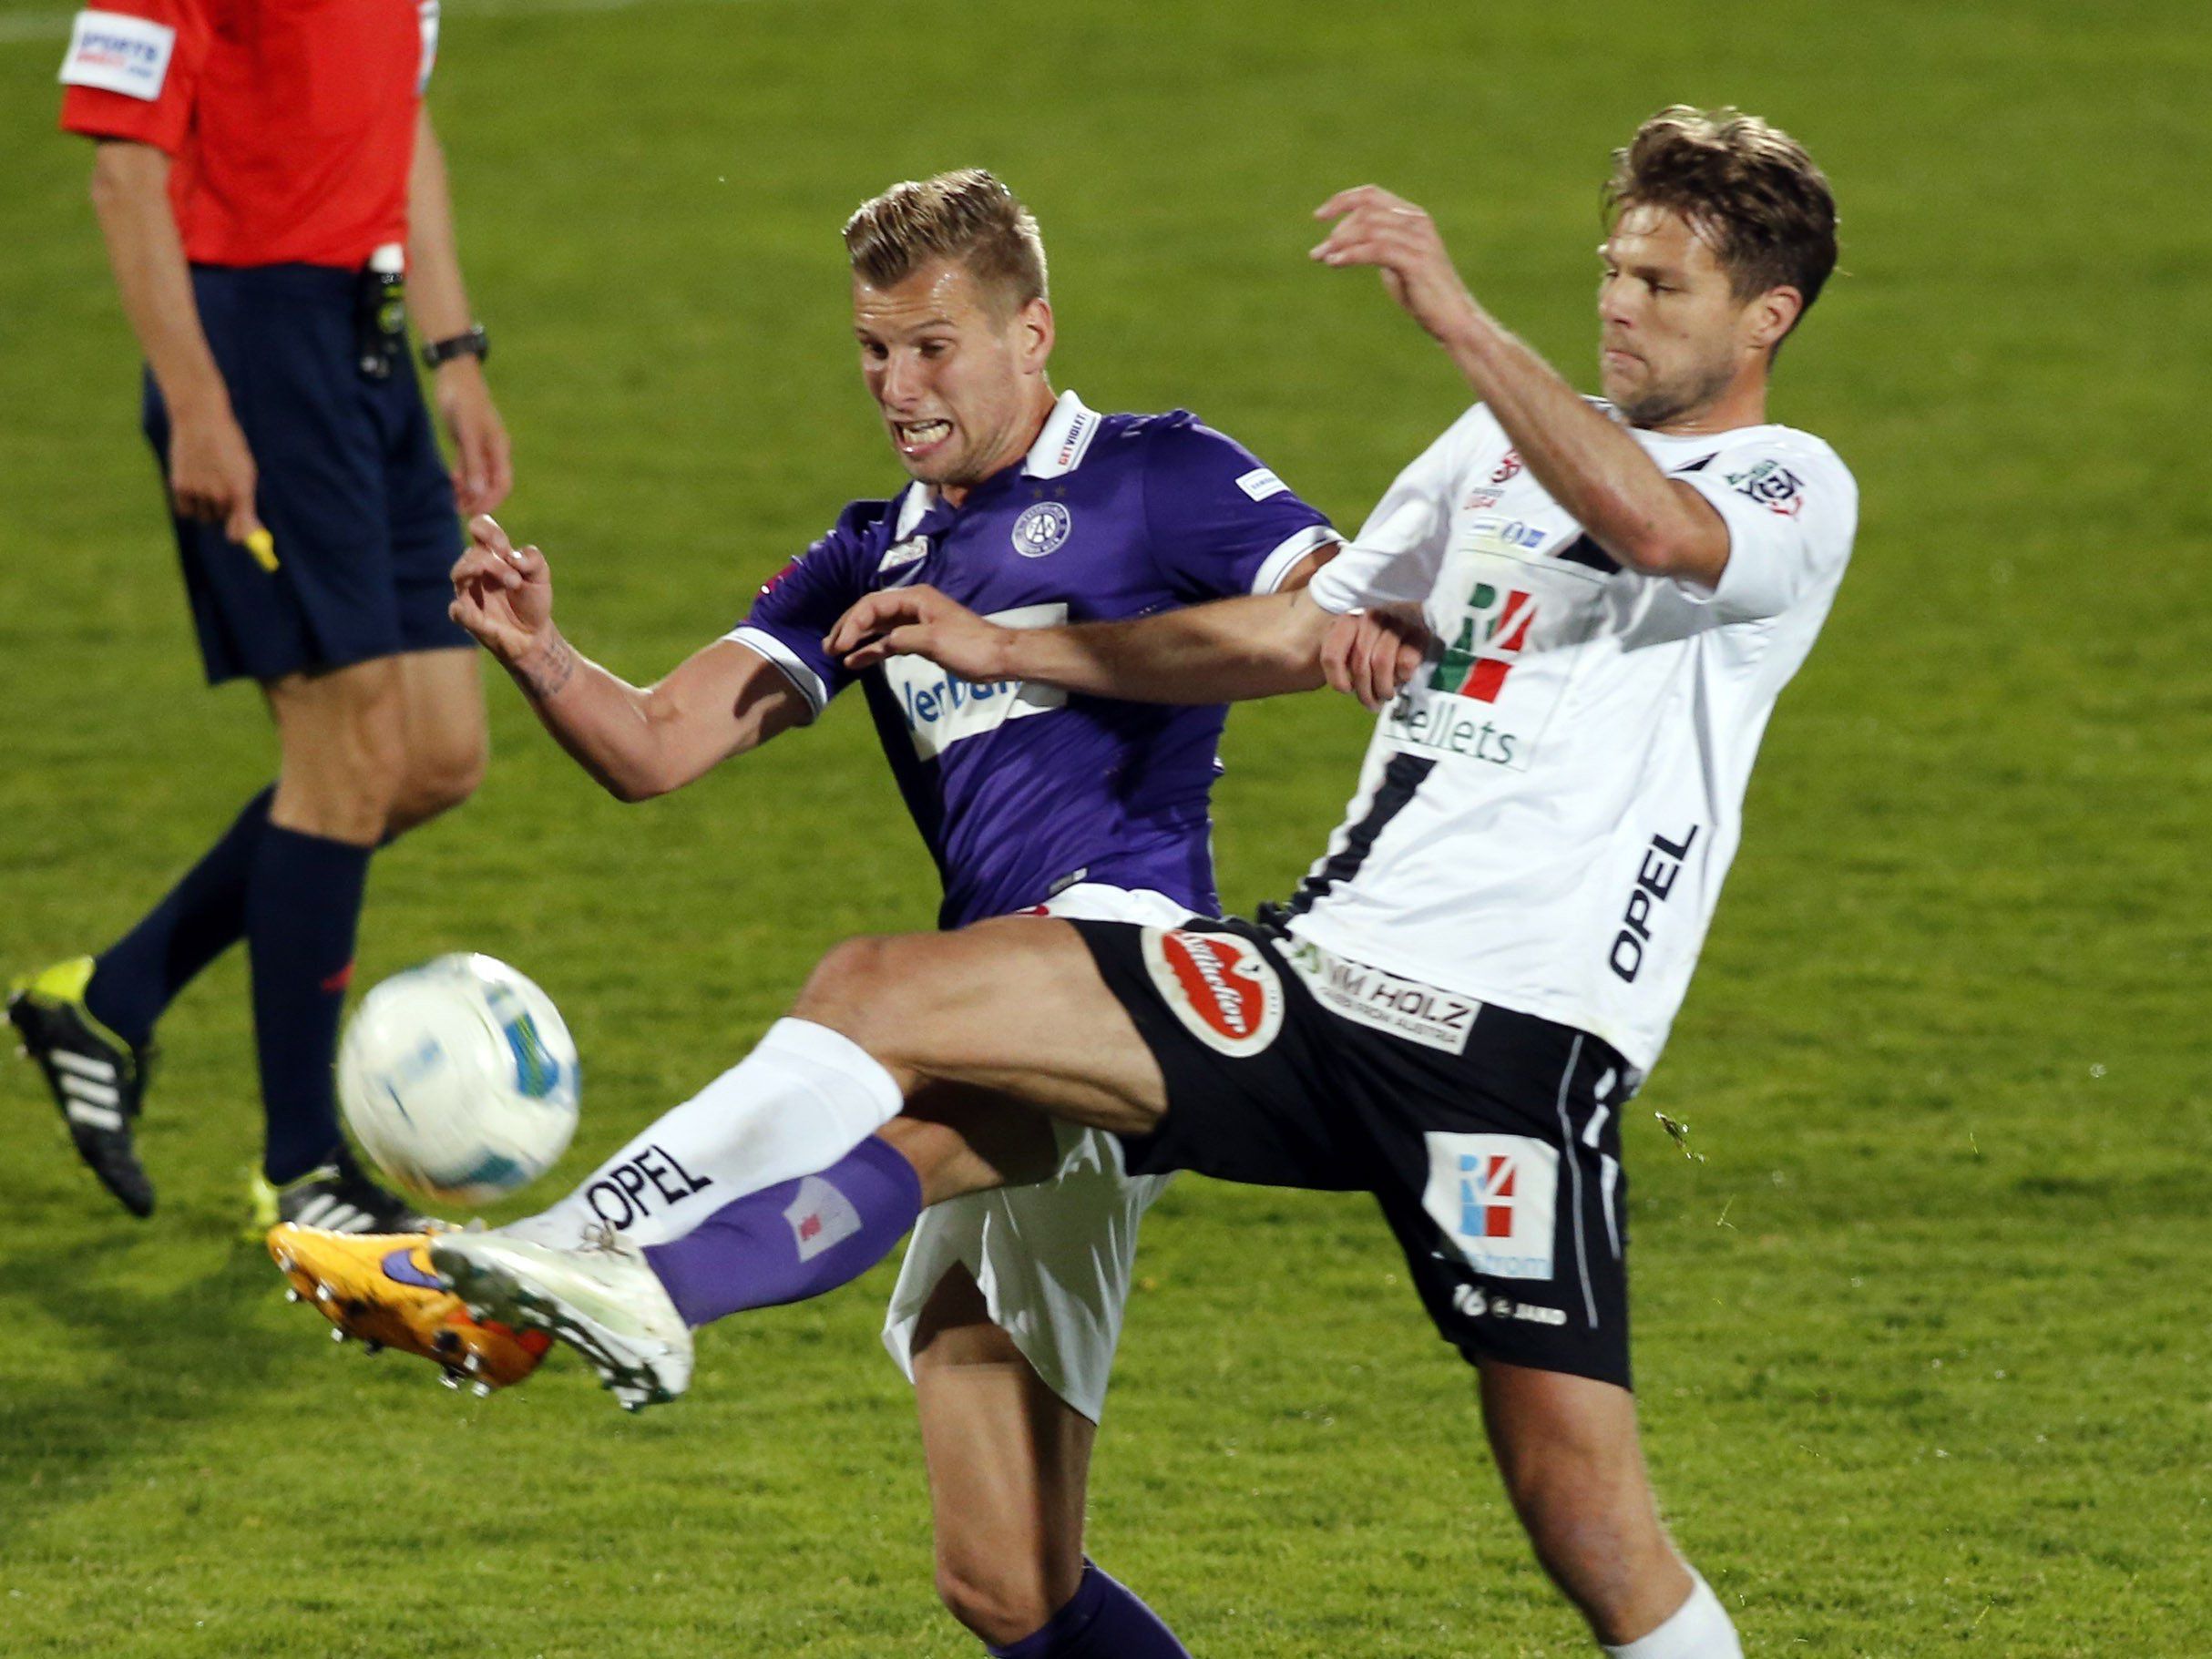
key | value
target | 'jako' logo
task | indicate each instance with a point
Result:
(1220, 987)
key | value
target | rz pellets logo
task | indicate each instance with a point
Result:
(1491, 636)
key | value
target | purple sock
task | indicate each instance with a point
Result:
(1102, 1620)
(794, 1240)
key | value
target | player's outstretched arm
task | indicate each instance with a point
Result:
(1591, 465)
(1227, 651)
(638, 741)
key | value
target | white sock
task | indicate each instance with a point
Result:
(801, 1101)
(1698, 1629)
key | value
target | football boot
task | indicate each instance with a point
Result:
(600, 1297)
(335, 1196)
(380, 1289)
(98, 1079)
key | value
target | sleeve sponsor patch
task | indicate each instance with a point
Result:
(116, 52)
(1261, 483)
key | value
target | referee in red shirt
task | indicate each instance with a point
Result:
(275, 204)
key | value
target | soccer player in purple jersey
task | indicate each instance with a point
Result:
(1036, 511)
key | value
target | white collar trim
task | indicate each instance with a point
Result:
(1060, 449)
(1065, 440)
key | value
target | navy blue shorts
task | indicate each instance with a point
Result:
(350, 486)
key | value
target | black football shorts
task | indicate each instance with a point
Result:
(1490, 1138)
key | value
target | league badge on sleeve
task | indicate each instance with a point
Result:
(1773, 486)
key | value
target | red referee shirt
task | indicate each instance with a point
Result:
(290, 122)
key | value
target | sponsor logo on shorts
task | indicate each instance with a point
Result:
(1042, 528)
(820, 1217)
(1495, 1197)
(1220, 986)
(1476, 1303)
(1418, 1012)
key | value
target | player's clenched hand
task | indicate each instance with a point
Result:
(211, 474)
(920, 622)
(1375, 228)
(501, 593)
(1371, 654)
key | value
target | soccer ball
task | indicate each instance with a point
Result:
(460, 1079)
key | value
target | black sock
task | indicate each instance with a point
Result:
(302, 906)
(202, 917)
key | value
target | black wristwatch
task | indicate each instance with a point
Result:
(474, 344)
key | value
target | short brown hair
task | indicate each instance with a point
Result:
(967, 215)
(1748, 188)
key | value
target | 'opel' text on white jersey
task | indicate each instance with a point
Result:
(1547, 812)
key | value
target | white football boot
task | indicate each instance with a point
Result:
(600, 1297)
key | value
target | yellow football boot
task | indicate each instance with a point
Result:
(380, 1288)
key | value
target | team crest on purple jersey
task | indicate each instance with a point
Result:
(1019, 789)
(1041, 529)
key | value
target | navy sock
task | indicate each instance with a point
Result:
(302, 907)
(201, 916)
(1102, 1620)
(794, 1240)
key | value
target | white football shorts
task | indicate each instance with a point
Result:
(1053, 1260)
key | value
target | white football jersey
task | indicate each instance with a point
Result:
(1546, 814)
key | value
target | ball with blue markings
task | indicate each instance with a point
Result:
(460, 1079)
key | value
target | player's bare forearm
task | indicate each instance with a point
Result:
(131, 196)
(595, 715)
(1231, 651)
(638, 743)
(1589, 462)
(1226, 651)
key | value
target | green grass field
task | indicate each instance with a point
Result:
(1922, 1334)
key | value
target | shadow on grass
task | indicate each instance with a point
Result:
(157, 1361)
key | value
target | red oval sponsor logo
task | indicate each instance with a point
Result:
(1220, 986)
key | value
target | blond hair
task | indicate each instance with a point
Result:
(968, 217)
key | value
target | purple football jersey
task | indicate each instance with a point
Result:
(1021, 790)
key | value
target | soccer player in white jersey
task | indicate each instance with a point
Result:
(1573, 620)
